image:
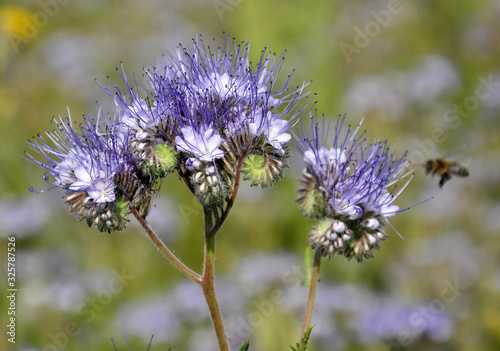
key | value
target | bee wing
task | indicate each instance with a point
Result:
(458, 153)
(459, 170)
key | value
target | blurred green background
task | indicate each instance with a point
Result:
(426, 76)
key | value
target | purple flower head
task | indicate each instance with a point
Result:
(347, 187)
(225, 75)
(205, 88)
(203, 145)
(92, 162)
(213, 107)
(272, 127)
(224, 81)
(137, 120)
(79, 158)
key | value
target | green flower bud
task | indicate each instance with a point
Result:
(162, 160)
(264, 169)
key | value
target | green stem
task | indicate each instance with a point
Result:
(208, 284)
(213, 222)
(207, 281)
(313, 284)
(165, 251)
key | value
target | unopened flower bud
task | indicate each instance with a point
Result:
(264, 169)
(193, 164)
(161, 160)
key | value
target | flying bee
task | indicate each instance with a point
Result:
(445, 169)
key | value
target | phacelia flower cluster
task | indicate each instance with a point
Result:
(346, 188)
(94, 166)
(207, 114)
(213, 117)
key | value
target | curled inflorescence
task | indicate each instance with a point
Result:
(207, 114)
(346, 189)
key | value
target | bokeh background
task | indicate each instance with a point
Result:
(426, 76)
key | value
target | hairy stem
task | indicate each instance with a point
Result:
(313, 284)
(208, 284)
(164, 249)
(211, 229)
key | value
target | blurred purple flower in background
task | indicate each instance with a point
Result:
(14, 212)
(402, 322)
(154, 315)
(258, 272)
(348, 312)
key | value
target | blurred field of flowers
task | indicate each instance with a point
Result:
(426, 76)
